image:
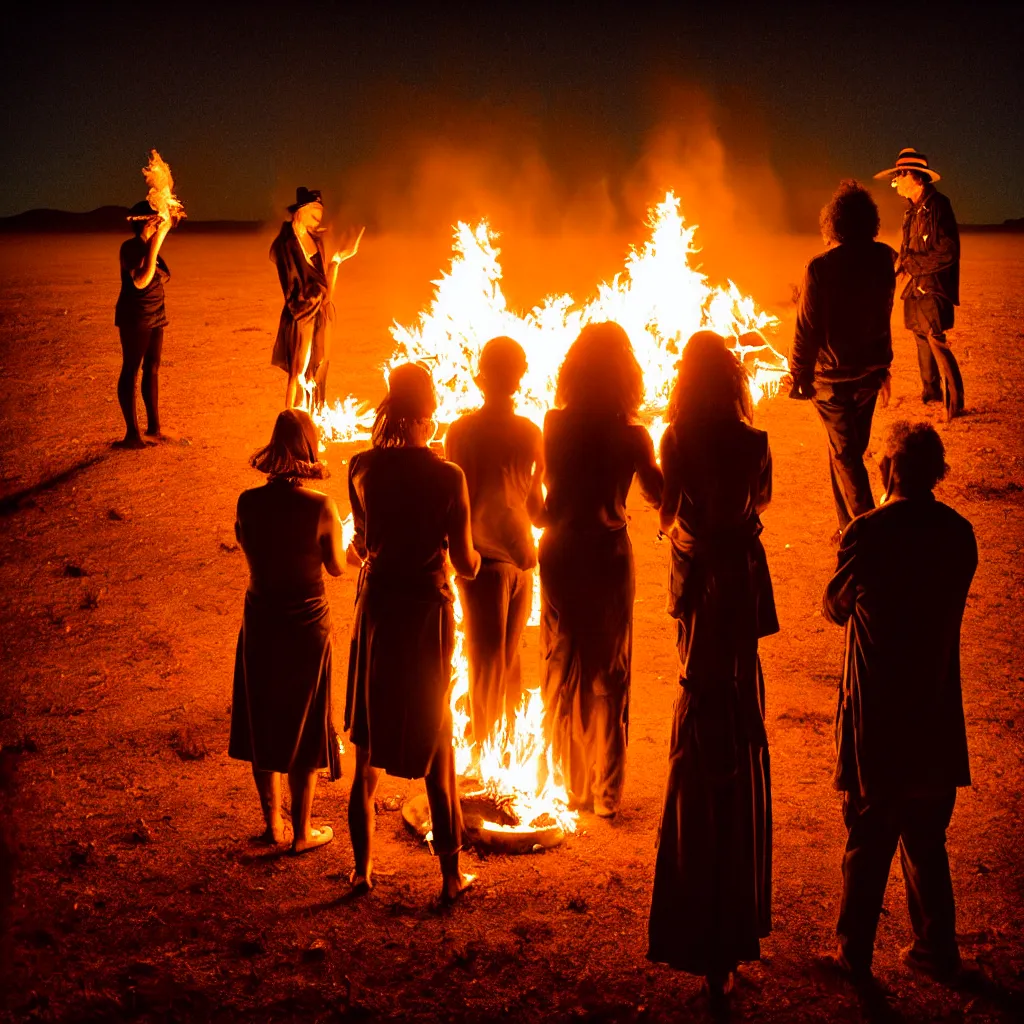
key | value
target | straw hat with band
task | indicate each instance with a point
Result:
(910, 160)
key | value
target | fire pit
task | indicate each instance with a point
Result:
(490, 822)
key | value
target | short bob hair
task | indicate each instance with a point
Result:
(600, 373)
(502, 365)
(292, 452)
(410, 397)
(850, 216)
(712, 385)
(917, 458)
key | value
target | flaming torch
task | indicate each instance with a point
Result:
(161, 195)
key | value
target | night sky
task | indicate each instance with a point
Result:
(247, 104)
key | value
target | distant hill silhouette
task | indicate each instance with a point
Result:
(1013, 225)
(107, 219)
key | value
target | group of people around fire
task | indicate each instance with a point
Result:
(900, 586)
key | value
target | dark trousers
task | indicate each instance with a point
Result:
(443, 798)
(939, 367)
(846, 410)
(917, 824)
(140, 347)
(496, 605)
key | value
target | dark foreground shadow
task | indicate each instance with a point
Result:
(13, 502)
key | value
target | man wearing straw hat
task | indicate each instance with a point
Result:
(930, 259)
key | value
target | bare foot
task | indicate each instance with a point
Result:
(272, 835)
(163, 436)
(361, 882)
(130, 441)
(453, 886)
(317, 837)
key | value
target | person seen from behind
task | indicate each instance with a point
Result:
(411, 512)
(281, 706)
(711, 903)
(503, 459)
(903, 576)
(842, 347)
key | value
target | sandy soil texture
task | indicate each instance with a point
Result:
(136, 892)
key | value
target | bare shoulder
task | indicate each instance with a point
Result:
(452, 475)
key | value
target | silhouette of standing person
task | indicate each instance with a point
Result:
(503, 459)
(307, 282)
(900, 588)
(409, 508)
(930, 260)
(140, 318)
(281, 707)
(842, 348)
(712, 884)
(593, 448)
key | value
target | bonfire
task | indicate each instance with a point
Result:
(661, 299)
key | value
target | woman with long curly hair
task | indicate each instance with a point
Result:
(281, 708)
(410, 508)
(593, 447)
(712, 882)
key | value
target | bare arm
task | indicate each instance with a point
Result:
(764, 483)
(672, 491)
(356, 552)
(330, 537)
(465, 558)
(143, 276)
(340, 257)
(652, 483)
(535, 498)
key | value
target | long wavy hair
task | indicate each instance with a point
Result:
(410, 397)
(600, 373)
(712, 384)
(293, 450)
(850, 215)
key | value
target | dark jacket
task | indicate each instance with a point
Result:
(930, 252)
(304, 285)
(842, 326)
(902, 582)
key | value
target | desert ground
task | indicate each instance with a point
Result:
(133, 890)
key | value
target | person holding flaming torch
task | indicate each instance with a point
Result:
(307, 282)
(140, 316)
(409, 506)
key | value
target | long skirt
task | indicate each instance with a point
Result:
(281, 704)
(400, 674)
(587, 590)
(712, 880)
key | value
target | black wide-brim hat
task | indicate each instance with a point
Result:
(304, 196)
(910, 160)
(142, 210)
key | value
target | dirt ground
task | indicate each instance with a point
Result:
(136, 891)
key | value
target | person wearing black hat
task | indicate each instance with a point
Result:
(307, 281)
(140, 318)
(930, 260)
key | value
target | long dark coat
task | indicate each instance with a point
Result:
(712, 884)
(930, 255)
(900, 589)
(304, 286)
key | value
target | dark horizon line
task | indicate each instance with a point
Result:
(111, 218)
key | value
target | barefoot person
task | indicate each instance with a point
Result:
(593, 447)
(140, 318)
(307, 281)
(711, 904)
(930, 261)
(409, 507)
(842, 347)
(503, 459)
(900, 589)
(281, 708)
